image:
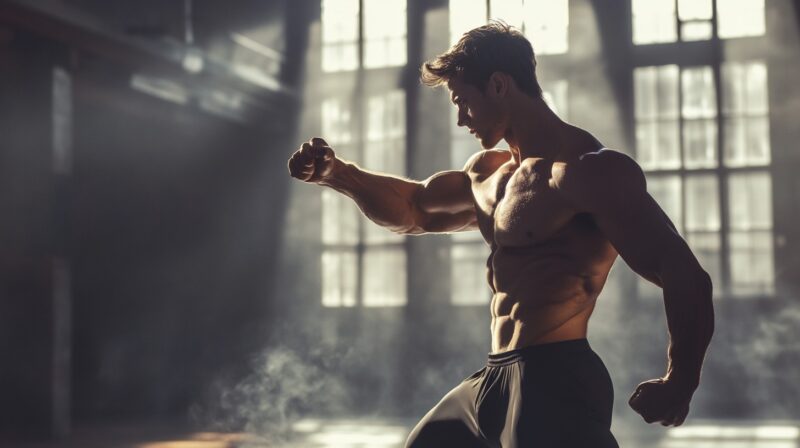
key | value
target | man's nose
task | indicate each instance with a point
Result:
(462, 119)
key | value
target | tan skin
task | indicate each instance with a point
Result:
(556, 209)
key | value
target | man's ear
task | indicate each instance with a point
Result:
(499, 84)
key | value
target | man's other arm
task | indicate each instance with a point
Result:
(442, 203)
(612, 187)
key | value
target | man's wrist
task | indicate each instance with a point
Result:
(689, 381)
(338, 170)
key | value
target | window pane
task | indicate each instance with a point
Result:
(339, 21)
(340, 218)
(339, 57)
(339, 270)
(384, 19)
(386, 120)
(706, 247)
(692, 31)
(756, 83)
(384, 33)
(384, 276)
(699, 97)
(555, 95)
(757, 141)
(734, 88)
(386, 155)
(747, 141)
(656, 92)
(464, 16)
(745, 88)
(702, 203)
(694, 9)
(336, 122)
(657, 145)
(546, 25)
(654, 21)
(746, 108)
(739, 18)
(385, 53)
(468, 277)
(510, 11)
(700, 143)
(752, 263)
(656, 110)
(339, 35)
(666, 190)
(750, 198)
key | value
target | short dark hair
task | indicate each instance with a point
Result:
(494, 47)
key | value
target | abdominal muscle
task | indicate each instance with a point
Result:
(539, 298)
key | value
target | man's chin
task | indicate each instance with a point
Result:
(488, 143)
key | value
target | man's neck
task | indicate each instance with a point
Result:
(534, 131)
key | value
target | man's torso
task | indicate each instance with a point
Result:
(548, 262)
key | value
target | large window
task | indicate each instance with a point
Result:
(362, 263)
(718, 196)
(663, 21)
(382, 44)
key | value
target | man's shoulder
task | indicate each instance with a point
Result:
(486, 161)
(596, 175)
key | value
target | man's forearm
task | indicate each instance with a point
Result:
(387, 200)
(690, 320)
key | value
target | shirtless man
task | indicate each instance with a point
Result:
(556, 208)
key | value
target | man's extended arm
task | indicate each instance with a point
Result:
(442, 203)
(611, 187)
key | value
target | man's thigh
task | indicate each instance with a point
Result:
(563, 405)
(451, 423)
(572, 432)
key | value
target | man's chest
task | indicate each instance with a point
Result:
(519, 205)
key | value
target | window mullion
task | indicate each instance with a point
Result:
(722, 175)
(359, 106)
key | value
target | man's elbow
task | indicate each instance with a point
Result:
(706, 284)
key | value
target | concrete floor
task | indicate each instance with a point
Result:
(377, 433)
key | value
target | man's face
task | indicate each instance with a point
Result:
(478, 112)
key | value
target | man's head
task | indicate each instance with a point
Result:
(480, 70)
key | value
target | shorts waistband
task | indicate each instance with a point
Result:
(538, 351)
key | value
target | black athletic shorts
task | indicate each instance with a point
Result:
(556, 395)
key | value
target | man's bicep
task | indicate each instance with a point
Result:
(642, 233)
(445, 192)
(612, 187)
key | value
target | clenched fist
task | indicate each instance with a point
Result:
(313, 162)
(663, 401)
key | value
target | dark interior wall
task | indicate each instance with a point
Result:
(171, 219)
(26, 225)
(173, 238)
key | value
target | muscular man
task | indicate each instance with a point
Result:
(556, 208)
